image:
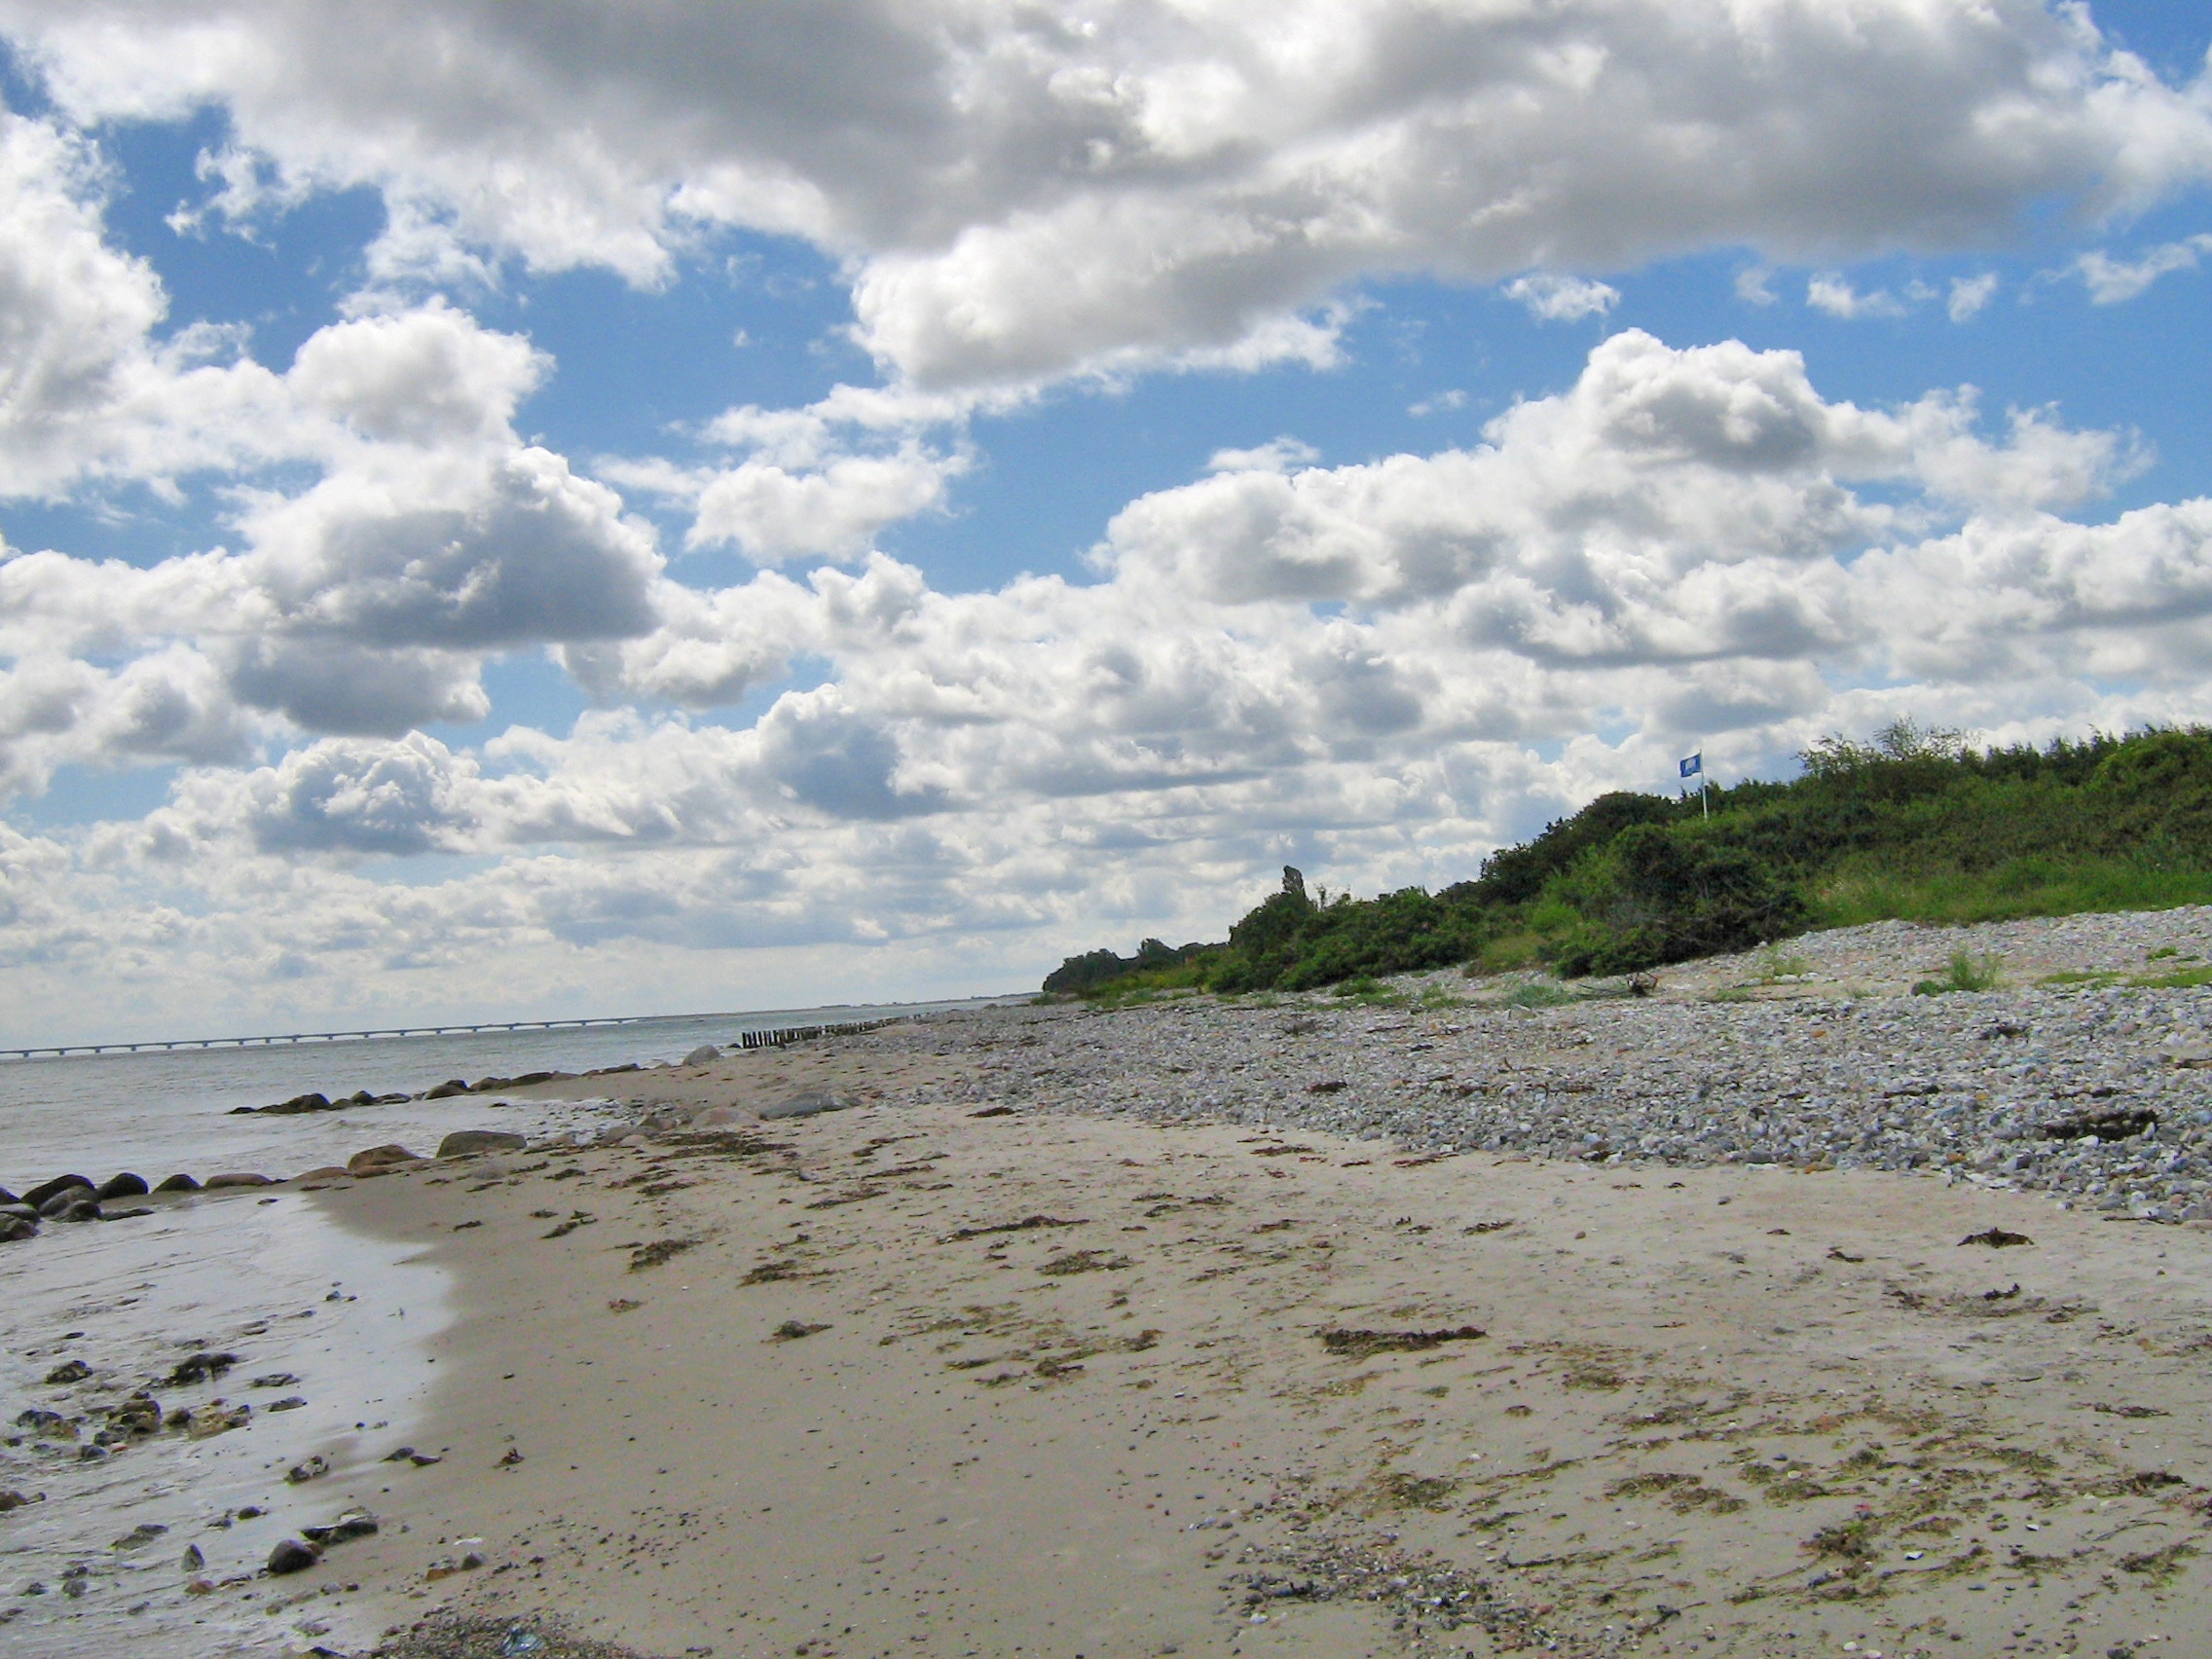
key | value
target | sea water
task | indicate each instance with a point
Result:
(267, 1276)
(159, 1113)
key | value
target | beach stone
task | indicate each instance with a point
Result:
(379, 1159)
(178, 1184)
(464, 1141)
(811, 1103)
(10, 1499)
(215, 1183)
(14, 1229)
(124, 1186)
(705, 1054)
(720, 1117)
(201, 1367)
(328, 1172)
(72, 1206)
(353, 1524)
(216, 1416)
(141, 1414)
(447, 1090)
(38, 1196)
(8, 1198)
(68, 1370)
(313, 1469)
(292, 1556)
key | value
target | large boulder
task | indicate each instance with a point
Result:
(377, 1159)
(809, 1104)
(705, 1054)
(215, 1183)
(447, 1090)
(465, 1141)
(124, 1186)
(67, 1205)
(13, 1227)
(178, 1184)
(36, 1197)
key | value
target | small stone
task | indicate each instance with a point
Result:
(512, 1457)
(275, 1379)
(289, 1403)
(352, 1523)
(10, 1499)
(193, 1561)
(201, 1367)
(292, 1556)
(145, 1533)
(141, 1414)
(313, 1469)
(216, 1417)
(68, 1370)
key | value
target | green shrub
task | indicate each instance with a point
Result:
(1912, 824)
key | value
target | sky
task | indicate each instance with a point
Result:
(524, 511)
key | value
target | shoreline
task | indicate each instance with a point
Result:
(1111, 1334)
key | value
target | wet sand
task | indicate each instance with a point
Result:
(906, 1379)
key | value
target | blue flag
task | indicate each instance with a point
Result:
(1693, 766)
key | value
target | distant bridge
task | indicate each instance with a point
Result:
(775, 1037)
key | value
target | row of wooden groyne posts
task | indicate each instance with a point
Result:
(783, 1033)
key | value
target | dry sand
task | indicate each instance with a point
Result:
(906, 1380)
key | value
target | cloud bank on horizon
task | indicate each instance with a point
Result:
(536, 509)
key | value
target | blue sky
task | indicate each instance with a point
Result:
(519, 520)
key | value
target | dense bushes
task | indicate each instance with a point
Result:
(1914, 824)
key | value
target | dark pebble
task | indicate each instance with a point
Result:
(292, 1556)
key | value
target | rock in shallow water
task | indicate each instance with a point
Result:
(123, 1186)
(13, 1227)
(178, 1184)
(41, 1195)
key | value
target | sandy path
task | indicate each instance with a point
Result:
(1727, 1411)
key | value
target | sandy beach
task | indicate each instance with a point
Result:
(953, 1371)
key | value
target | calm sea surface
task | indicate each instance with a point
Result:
(156, 1114)
(351, 1323)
